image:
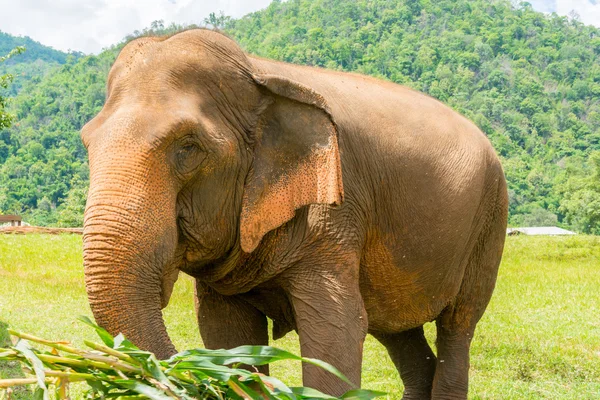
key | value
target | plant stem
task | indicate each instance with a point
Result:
(71, 376)
(6, 383)
(71, 361)
(114, 363)
(112, 352)
(55, 345)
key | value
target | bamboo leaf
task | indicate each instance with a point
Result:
(244, 391)
(327, 367)
(40, 394)
(102, 333)
(361, 394)
(122, 342)
(36, 364)
(256, 355)
(274, 385)
(309, 393)
(126, 372)
(146, 390)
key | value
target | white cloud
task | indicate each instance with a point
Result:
(588, 10)
(547, 6)
(90, 25)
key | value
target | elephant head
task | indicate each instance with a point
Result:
(194, 158)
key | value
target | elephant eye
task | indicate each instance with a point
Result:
(187, 149)
(188, 157)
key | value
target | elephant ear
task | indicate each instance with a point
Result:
(296, 159)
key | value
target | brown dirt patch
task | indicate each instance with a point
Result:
(23, 230)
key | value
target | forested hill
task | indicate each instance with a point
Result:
(34, 63)
(35, 50)
(530, 81)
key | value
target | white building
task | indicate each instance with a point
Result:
(539, 230)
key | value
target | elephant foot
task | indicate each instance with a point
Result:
(414, 360)
(422, 394)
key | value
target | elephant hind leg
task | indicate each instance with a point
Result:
(456, 324)
(414, 360)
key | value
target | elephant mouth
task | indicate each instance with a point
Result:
(198, 266)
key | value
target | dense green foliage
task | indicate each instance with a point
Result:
(43, 161)
(32, 64)
(530, 81)
(5, 81)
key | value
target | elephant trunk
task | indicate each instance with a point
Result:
(129, 237)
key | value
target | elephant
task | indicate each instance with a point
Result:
(332, 203)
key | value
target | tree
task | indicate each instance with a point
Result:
(70, 213)
(537, 217)
(581, 201)
(218, 21)
(5, 80)
(530, 81)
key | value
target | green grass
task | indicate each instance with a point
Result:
(539, 339)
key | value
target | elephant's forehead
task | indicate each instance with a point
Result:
(174, 61)
(146, 119)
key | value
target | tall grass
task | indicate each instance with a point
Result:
(539, 339)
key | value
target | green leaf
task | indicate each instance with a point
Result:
(327, 367)
(219, 372)
(141, 388)
(120, 342)
(97, 387)
(192, 374)
(309, 393)
(361, 394)
(36, 364)
(104, 335)
(6, 354)
(278, 387)
(243, 390)
(154, 368)
(255, 355)
(40, 394)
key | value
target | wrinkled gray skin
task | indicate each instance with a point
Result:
(333, 203)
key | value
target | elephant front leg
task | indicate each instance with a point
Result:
(332, 324)
(226, 322)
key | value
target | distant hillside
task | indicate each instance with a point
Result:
(35, 50)
(33, 64)
(531, 82)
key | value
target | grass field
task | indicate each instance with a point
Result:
(539, 339)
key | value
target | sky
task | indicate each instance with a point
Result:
(91, 25)
(588, 10)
